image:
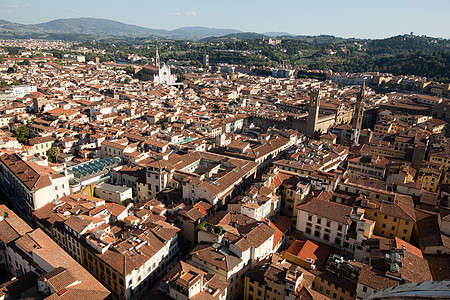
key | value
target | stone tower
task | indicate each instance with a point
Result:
(313, 113)
(206, 61)
(157, 63)
(358, 115)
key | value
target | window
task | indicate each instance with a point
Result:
(308, 230)
(340, 228)
(383, 226)
(251, 289)
(309, 218)
(405, 231)
(364, 288)
(393, 228)
(319, 220)
(334, 295)
(321, 288)
(328, 224)
(328, 292)
(375, 214)
(385, 217)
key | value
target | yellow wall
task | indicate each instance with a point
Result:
(389, 226)
(329, 289)
(438, 159)
(110, 278)
(252, 288)
(274, 290)
(297, 260)
(429, 182)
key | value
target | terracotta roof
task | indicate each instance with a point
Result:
(221, 260)
(32, 175)
(309, 249)
(327, 209)
(283, 223)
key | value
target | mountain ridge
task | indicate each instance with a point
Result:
(107, 27)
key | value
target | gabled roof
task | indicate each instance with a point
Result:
(327, 209)
(32, 175)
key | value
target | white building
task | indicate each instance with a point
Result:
(21, 91)
(113, 193)
(165, 76)
(255, 210)
(323, 220)
(31, 186)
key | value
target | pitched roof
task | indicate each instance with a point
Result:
(327, 209)
(32, 175)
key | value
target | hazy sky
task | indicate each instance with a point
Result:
(345, 18)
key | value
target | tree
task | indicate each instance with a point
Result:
(53, 153)
(129, 70)
(12, 69)
(126, 202)
(22, 133)
(26, 62)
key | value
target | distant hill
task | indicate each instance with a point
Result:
(320, 39)
(317, 39)
(105, 27)
(237, 36)
(101, 27)
(277, 34)
(202, 32)
(6, 26)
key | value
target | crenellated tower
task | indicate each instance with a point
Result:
(313, 113)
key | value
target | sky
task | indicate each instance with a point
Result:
(344, 18)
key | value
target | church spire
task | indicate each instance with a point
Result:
(362, 92)
(157, 64)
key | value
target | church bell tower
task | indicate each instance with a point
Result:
(157, 63)
(359, 112)
(313, 113)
